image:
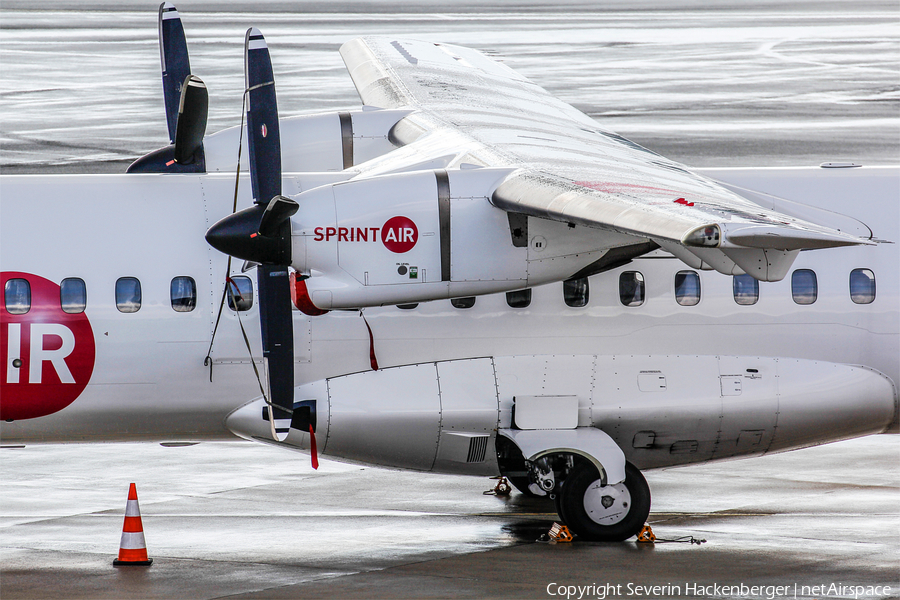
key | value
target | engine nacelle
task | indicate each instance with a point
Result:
(428, 235)
(321, 142)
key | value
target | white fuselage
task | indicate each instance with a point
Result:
(149, 380)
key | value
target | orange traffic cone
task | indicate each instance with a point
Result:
(133, 548)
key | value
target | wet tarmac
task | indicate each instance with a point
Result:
(709, 84)
(235, 519)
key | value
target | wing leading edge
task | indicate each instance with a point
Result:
(567, 167)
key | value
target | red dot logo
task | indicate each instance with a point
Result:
(47, 354)
(399, 234)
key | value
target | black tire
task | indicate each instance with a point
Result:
(557, 500)
(521, 484)
(623, 518)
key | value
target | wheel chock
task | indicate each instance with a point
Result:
(646, 536)
(503, 488)
(560, 534)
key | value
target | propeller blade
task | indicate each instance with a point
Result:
(279, 210)
(187, 104)
(276, 325)
(176, 66)
(193, 110)
(273, 280)
(260, 233)
(263, 137)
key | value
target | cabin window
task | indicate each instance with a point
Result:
(463, 302)
(183, 294)
(17, 294)
(804, 286)
(687, 288)
(746, 290)
(407, 306)
(576, 292)
(519, 298)
(631, 288)
(128, 295)
(240, 293)
(862, 286)
(72, 295)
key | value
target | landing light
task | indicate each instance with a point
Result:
(707, 236)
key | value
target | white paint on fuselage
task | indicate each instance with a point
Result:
(150, 382)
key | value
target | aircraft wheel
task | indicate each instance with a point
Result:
(610, 513)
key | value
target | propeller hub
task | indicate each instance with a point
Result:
(238, 235)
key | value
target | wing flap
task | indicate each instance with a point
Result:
(656, 214)
(550, 198)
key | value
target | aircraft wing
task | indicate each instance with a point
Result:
(568, 168)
